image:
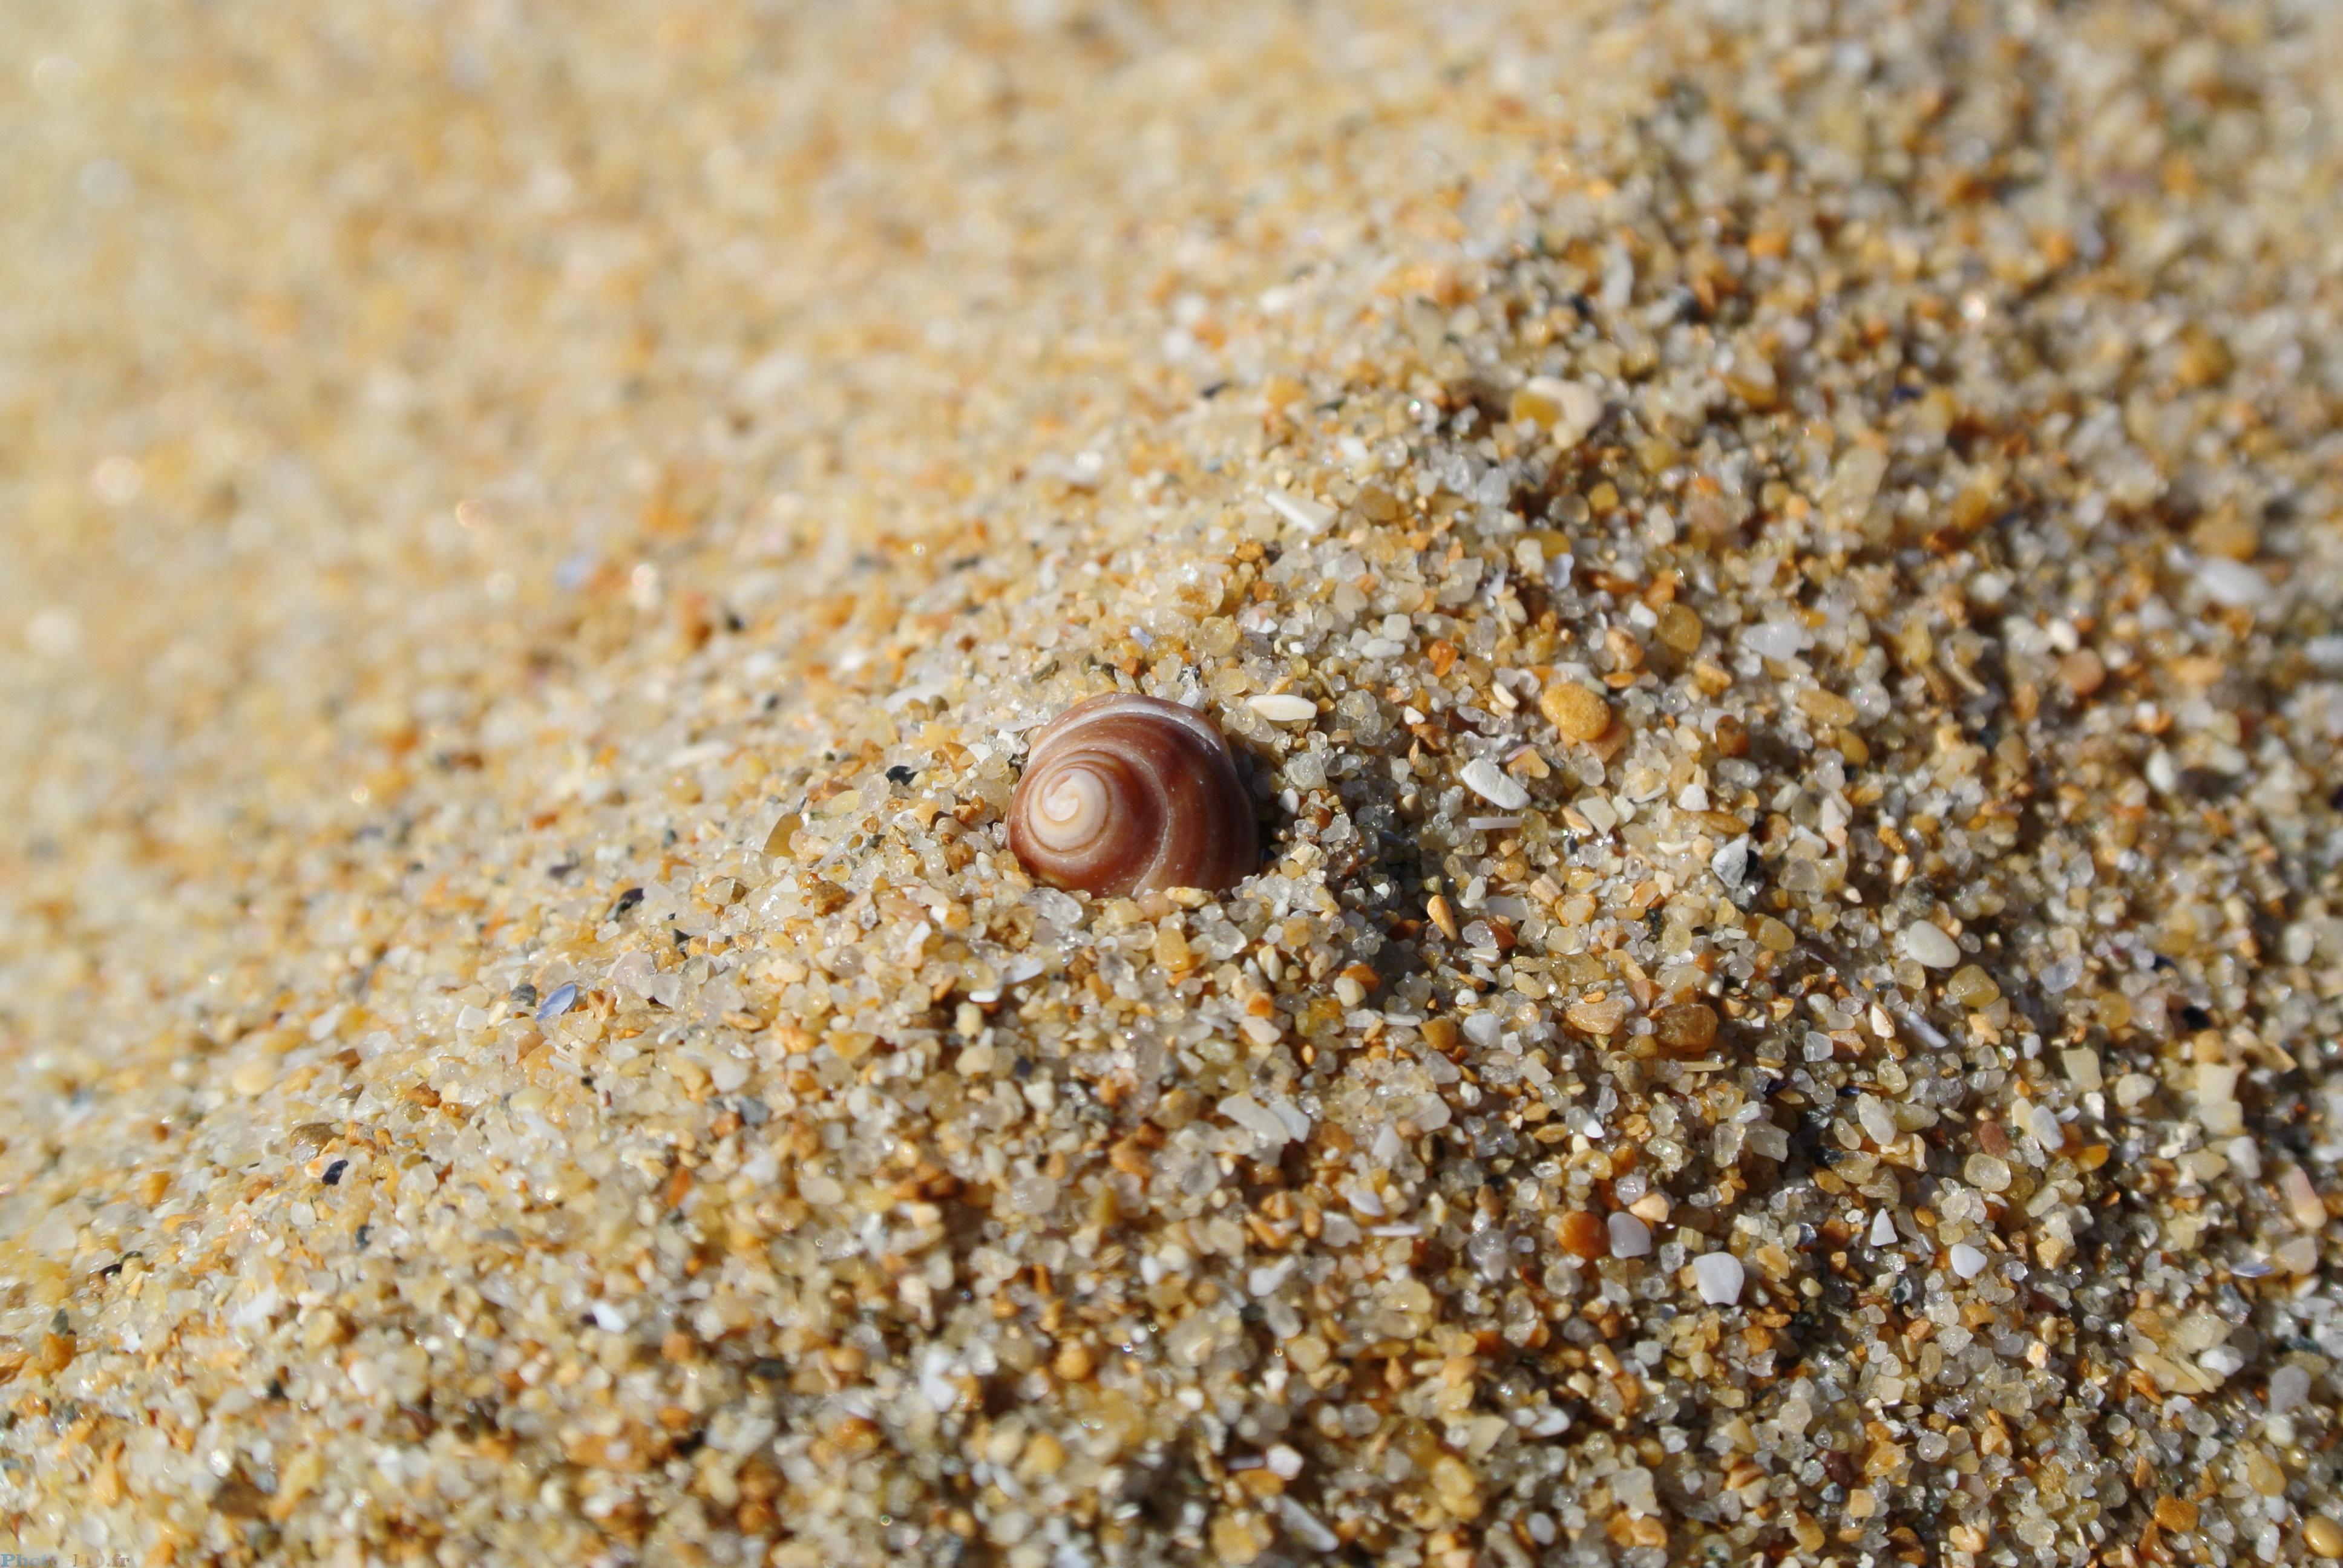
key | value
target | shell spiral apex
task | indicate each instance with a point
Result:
(1128, 794)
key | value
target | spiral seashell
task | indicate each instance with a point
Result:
(1126, 794)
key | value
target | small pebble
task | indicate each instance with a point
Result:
(1971, 987)
(1929, 945)
(2289, 1386)
(1484, 778)
(1600, 1015)
(1719, 1276)
(1310, 516)
(1568, 409)
(1583, 1235)
(2084, 671)
(2233, 583)
(1685, 1028)
(1967, 1261)
(1577, 712)
(1679, 628)
(1280, 708)
(1987, 1172)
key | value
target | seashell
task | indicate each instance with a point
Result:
(1128, 794)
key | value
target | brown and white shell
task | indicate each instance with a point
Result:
(1128, 794)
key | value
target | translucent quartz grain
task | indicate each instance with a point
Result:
(1986, 1173)
(1970, 987)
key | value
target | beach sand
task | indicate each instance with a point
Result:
(1773, 572)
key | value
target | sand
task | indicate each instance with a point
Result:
(1772, 573)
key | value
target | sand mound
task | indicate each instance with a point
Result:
(1773, 582)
